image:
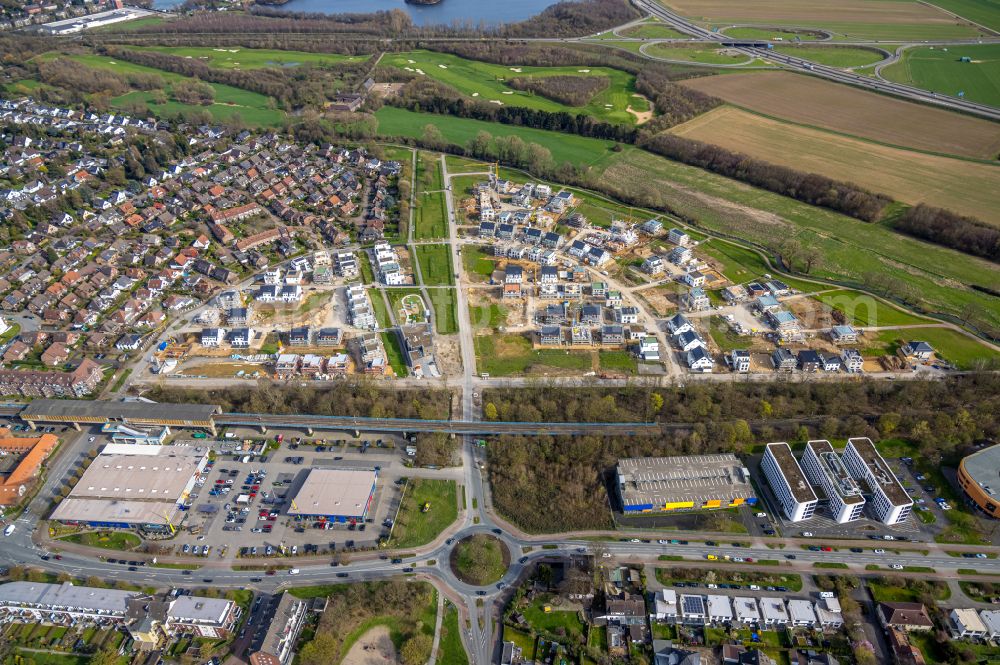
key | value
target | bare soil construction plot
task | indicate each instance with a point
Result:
(810, 101)
(373, 648)
(912, 177)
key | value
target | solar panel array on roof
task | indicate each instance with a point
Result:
(692, 605)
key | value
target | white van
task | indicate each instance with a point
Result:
(9, 530)
(293, 571)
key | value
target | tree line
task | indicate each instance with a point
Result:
(425, 95)
(943, 227)
(811, 188)
(359, 398)
(565, 89)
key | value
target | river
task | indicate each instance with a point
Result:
(447, 12)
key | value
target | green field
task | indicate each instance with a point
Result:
(511, 354)
(252, 58)
(961, 350)
(252, 107)
(699, 54)
(833, 56)
(787, 34)
(394, 353)
(452, 652)
(458, 164)
(492, 316)
(620, 362)
(379, 308)
(653, 30)
(430, 217)
(487, 82)
(861, 309)
(414, 527)
(478, 265)
(577, 150)
(444, 303)
(435, 264)
(940, 69)
(983, 12)
(554, 621)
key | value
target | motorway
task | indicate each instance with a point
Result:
(686, 26)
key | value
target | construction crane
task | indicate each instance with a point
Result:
(169, 523)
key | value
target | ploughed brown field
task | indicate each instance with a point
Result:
(840, 108)
(815, 11)
(963, 186)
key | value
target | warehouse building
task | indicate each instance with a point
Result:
(338, 495)
(788, 482)
(128, 486)
(979, 477)
(648, 484)
(825, 470)
(889, 502)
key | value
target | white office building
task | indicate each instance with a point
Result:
(889, 502)
(825, 470)
(788, 482)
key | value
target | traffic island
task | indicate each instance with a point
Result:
(480, 560)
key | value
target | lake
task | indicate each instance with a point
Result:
(447, 12)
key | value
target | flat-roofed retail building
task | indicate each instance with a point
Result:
(651, 484)
(128, 486)
(338, 495)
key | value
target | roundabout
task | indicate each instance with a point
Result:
(479, 560)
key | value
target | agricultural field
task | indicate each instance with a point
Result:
(942, 70)
(512, 354)
(834, 56)
(252, 107)
(850, 19)
(938, 279)
(983, 12)
(458, 164)
(435, 264)
(811, 101)
(487, 82)
(908, 176)
(577, 150)
(252, 58)
(700, 54)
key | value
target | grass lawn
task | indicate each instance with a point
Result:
(458, 164)
(963, 351)
(511, 354)
(251, 106)
(478, 265)
(435, 264)
(394, 353)
(890, 594)
(488, 316)
(413, 527)
(445, 306)
(316, 591)
(699, 54)
(578, 150)
(313, 301)
(541, 620)
(251, 58)
(983, 12)
(521, 639)
(830, 564)
(941, 70)
(382, 316)
(741, 264)
(787, 34)
(791, 580)
(430, 216)
(110, 540)
(653, 30)
(451, 651)
(367, 274)
(621, 362)
(487, 82)
(724, 337)
(861, 309)
(479, 559)
(833, 56)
